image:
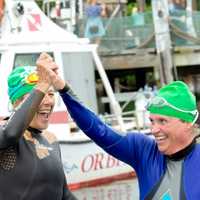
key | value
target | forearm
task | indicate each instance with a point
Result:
(103, 135)
(129, 148)
(89, 123)
(13, 129)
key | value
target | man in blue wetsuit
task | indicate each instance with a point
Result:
(168, 165)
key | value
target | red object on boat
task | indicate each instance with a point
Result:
(2, 4)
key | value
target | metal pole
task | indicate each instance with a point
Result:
(115, 105)
(163, 40)
(189, 21)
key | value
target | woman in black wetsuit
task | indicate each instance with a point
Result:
(30, 162)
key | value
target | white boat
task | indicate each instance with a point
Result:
(25, 33)
(88, 165)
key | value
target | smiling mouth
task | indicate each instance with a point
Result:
(160, 138)
(44, 114)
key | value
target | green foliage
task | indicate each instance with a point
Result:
(198, 5)
(148, 2)
(133, 3)
(39, 2)
(129, 107)
(131, 81)
(129, 8)
(148, 7)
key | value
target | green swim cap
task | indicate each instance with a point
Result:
(175, 100)
(21, 81)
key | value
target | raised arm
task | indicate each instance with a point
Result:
(107, 138)
(14, 128)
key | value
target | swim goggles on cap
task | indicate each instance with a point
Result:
(160, 102)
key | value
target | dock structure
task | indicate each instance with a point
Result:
(131, 47)
(163, 40)
(183, 56)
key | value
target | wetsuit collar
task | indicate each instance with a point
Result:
(34, 130)
(182, 153)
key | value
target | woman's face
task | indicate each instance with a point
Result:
(42, 116)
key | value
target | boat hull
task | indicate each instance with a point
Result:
(86, 165)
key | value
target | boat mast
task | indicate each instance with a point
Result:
(163, 40)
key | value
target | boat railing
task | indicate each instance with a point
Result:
(134, 119)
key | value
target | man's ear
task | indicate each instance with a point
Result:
(190, 126)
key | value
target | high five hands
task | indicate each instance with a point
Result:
(48, 71)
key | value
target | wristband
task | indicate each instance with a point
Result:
(65, 89)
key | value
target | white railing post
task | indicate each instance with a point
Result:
(114, 104)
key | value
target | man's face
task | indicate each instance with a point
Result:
(171, 134)
(42, 116)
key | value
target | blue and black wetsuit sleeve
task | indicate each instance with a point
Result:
(103, 135)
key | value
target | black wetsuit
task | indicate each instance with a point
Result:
(30, 161)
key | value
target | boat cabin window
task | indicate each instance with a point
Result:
(27, 59)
